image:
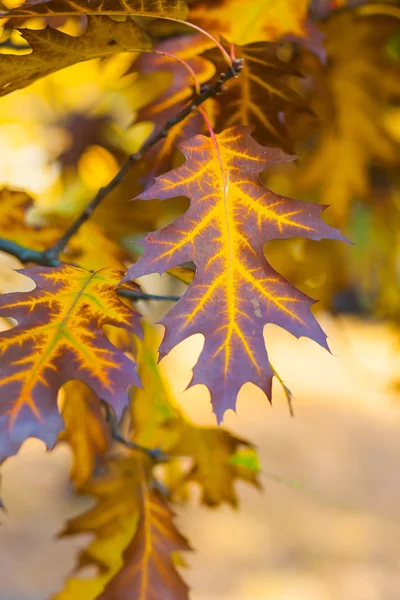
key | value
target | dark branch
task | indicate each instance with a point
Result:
(132, 295)
(206, 93)
(26, 255)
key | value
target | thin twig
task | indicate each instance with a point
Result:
(26, 255)
(207, 91)
(111, 419)
(133, 295)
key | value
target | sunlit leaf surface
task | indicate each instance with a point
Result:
(59, 336)
(235, 292)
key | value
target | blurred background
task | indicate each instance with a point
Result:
(327, 524)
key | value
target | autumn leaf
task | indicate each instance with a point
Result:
(14, 205)
(350, 98)
(86, 430)
(141, 566)
(149, 571)
(59, 337)
(159, 422)
(53, 50)
(175, 9)
(235, 292)
(262, 95)
(90, 247)
(256, 21)
(113, 521)
(176, 95)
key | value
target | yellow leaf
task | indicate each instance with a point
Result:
(158, 422)
(252, 21)
(350, 99)
(86, 430)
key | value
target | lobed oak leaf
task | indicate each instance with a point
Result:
(253, 21)
(59, 337)
(53, 50)
(262, 95)
(235, 292)
(86, 430)
(159, 422)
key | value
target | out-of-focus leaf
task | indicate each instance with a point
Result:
(14, 205)
(53, 50)
(113, 521)
(86, 430)
(158, 422)
(261, 96)
(183, 274)
(171, 100)
(136, 541)
(254, 21)
(59, 337)
(89, 248)
(350, 97)
(235, 291)
(149, 572)
(176, 9)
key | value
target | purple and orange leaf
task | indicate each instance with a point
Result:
(59, 337)
(235, 291)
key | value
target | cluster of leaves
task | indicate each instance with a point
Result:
(78, 363)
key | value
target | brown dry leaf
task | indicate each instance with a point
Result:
(86, 430)
(251, 21)
(350, 97)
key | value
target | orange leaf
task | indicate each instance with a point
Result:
(235, 291)
(59, 337)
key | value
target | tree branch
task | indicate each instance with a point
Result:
(133, 295)
(208, 91)
(111, 419)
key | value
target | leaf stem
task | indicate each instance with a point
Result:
(111, 419)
